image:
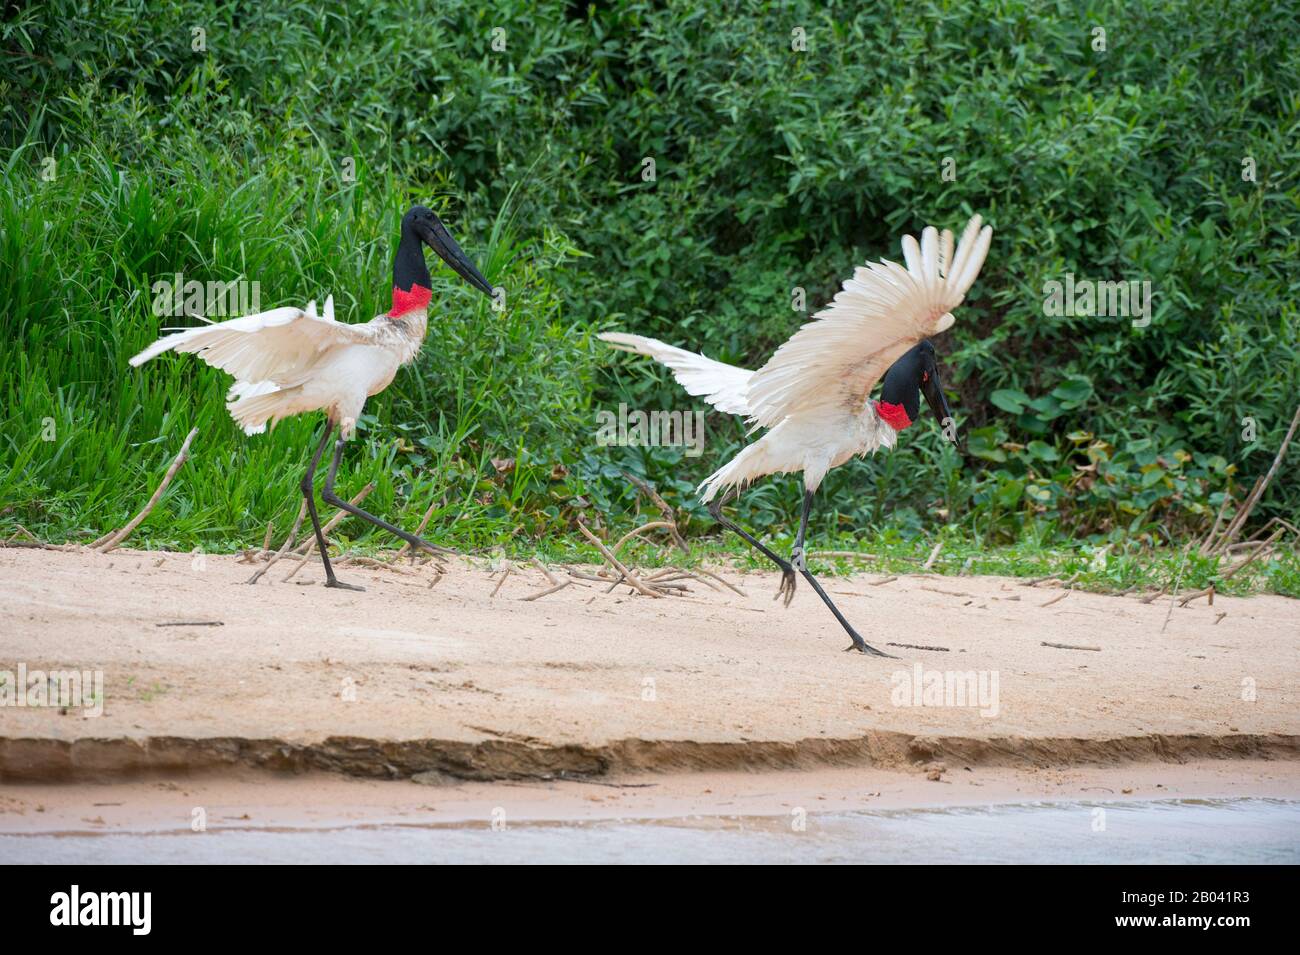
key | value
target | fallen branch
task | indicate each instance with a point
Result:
(35, 542)
(302, 562)
(1209, 591)
(918, 646)
(1235, 525)
(1070, 646)
(950, 593)
(111, 540)
(1205, 544)
(1151, 598)
(677, 587)
(1038, 580)
(424, 522)
(670, 518)
(604, 551)
(509, 567)
(721, 581)
(549, 590)
(549, 576)
(284, 548)
(929, 561)
(362, 561)
(637, 532)
(582, 575)
(686, 575)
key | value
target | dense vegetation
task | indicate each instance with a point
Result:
(280, 142)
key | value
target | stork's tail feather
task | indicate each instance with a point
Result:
(749, 465)
(253, 407)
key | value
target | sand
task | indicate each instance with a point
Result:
(244, 799)
(450, 681)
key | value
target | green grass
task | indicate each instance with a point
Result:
(1134, 568)
(774, 171)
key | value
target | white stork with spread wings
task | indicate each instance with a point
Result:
(290, 360)
(813, 393)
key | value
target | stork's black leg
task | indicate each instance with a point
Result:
(787, 572)
(798, 560)
(328, 496)
(309, 494)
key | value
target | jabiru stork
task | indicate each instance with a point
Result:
(813, 393)
(289, 361)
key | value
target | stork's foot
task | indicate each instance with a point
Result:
(863, 647)
(788, 578)
(340, 585)
(788, 581)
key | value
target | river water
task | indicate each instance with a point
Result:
(1228, 831)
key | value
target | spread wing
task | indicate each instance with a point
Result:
(276, 346)
(834, 360)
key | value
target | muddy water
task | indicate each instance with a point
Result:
(1170, 831)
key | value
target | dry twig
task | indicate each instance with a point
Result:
(284, 548)
(509, 568)
(670, 518)
(929, 561)
(424, 522)
(1238, 521)
(111, 540)
(604, 552)
(560, 585)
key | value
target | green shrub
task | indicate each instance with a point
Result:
(774, 169)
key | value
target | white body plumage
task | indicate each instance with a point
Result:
(813, 394)
(290, 360)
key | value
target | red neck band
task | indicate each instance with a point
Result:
(893, 415)
(403, 302)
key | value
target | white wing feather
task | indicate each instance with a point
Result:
(834, 360)
(276, 346)
(718, 383)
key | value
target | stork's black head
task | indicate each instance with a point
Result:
(421, 225)
(915, 373)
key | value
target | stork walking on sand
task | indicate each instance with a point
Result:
(290, 360)
(813, 392)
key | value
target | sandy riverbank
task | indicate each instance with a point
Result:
(404, 679)
(252, 799)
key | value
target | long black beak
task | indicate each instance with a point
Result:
(932, 388)
(439, 239)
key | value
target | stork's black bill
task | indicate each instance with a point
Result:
(426, 227)
(916, 373)
(932, 388)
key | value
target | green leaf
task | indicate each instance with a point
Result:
(1074, 391)
(1043, 451)
(1010, 400)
